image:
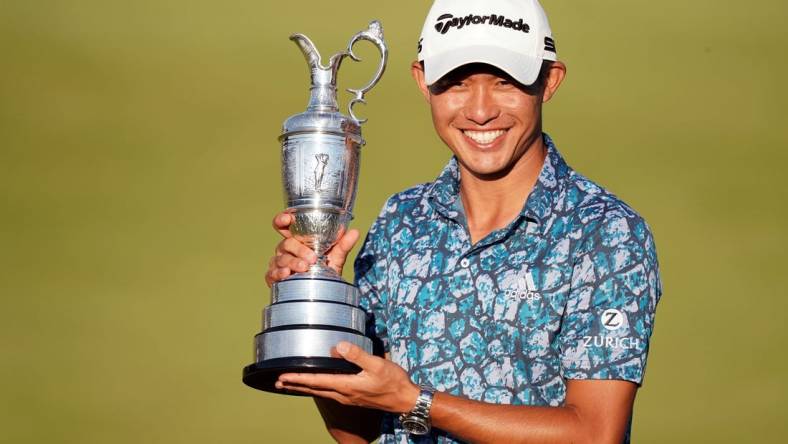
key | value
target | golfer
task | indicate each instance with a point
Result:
(511, 299)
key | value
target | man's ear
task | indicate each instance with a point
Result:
(555, 75)
(417, 71)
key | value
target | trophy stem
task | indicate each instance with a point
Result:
(319, 270)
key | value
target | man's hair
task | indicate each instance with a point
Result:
(544, 73)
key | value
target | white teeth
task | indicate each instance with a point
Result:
(484, 137)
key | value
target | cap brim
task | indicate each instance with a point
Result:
(525, 69)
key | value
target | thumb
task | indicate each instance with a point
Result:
(281, 223)
(355, 354)
(346, 242)
(338, 254)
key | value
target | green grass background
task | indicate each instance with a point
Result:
(139, 171)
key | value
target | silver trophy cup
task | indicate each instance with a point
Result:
(311, 312)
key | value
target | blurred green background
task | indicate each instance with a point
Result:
(139, 171)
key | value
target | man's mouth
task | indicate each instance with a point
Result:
(484, 137)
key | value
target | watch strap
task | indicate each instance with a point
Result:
(421, 411)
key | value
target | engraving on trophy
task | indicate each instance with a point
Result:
(312, 311)
(320, 169)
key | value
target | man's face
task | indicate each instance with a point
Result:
(485, 117)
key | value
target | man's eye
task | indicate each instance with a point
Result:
(443, 85)
(504, 83)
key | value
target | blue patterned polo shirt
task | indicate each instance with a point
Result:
(568, 290)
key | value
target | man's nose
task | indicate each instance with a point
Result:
(481, 107)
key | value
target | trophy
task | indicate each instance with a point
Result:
(311, 312)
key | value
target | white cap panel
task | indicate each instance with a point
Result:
(456, 29)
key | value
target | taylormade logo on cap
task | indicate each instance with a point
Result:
(448, 21)
(513, 35)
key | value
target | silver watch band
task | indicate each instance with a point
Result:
(423, 402)
(417, 421)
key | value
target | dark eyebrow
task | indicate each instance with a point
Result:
(443, 84)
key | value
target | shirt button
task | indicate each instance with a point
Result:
(465, 262)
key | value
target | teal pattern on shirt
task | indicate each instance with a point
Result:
(568, 290)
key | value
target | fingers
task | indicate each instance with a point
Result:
(338, 253)
(313, 392)
(276, 275)
(281, 223)
(282, 266)
(294, 257)
(290, 256)
(346, 242)
(293, 247)
(317, 381)
(381, 384)
(358, 356)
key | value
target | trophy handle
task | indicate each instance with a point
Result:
(373, 34)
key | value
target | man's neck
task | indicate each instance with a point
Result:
(493, 204)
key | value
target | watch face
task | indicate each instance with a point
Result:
(415, 427)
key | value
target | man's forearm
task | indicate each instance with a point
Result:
(347, 424)
(588, 416)
(479, 422)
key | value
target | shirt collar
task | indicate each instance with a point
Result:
(445, 190)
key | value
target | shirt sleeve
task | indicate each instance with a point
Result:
(369, 267)
(609, 316)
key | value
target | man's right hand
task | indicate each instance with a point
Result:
(291, 256)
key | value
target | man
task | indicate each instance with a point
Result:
(513, 298)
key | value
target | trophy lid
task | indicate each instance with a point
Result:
(322, 115)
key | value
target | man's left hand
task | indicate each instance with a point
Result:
(381, 384)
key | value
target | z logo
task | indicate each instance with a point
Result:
(612, 319)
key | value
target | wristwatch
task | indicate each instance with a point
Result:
(417, 421)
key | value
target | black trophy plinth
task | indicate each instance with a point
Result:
(263, 375)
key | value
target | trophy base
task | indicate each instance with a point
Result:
(263, 375)
(300, 287)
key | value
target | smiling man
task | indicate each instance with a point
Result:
(512, 299)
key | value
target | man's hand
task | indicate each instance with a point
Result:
(381, 384)
(291, 256)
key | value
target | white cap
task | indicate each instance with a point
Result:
(512, 35)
